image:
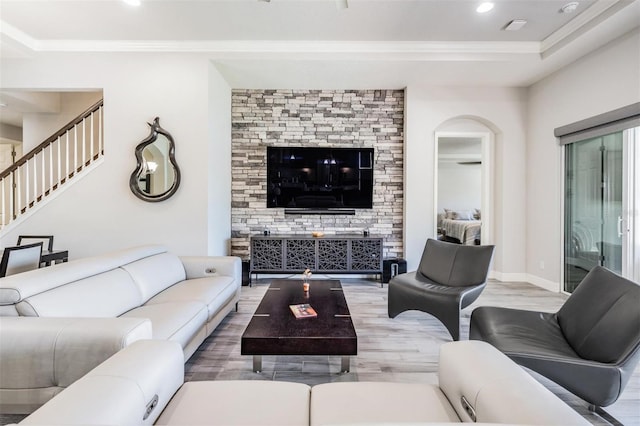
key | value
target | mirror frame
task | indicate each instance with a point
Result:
(135, 176)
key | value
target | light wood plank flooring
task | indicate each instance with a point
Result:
(403, 349)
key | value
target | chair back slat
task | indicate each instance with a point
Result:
(20, 259)
(45, 239)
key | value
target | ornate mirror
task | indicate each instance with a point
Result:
(157, 175)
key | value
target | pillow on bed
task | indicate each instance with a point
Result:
(463, 214)
(477, 215)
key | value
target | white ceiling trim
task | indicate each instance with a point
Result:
(584, 21)
(409, 49)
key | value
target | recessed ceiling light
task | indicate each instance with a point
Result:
(133, 2)
(484, 7)
(569, 7)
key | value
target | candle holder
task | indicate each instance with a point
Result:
(305, 281)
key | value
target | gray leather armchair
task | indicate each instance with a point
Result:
(591, 346)
(449, 278)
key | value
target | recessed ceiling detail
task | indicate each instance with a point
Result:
(515, 25)
(399, 36)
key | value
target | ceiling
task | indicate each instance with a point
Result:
(318, 44)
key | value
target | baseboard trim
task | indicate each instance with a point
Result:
(525, 278)
(544, 283)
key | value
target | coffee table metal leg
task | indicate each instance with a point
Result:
(257, 363)
(346, 364)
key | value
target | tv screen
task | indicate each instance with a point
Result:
(319, 178)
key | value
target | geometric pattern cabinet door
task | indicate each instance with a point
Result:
(366, 255)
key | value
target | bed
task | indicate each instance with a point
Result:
(464, 231)
(460, 226)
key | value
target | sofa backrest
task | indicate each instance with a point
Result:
(601, 318)
(109, 294)
(155, 273)
(102, 286)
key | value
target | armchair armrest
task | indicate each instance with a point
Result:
(207, 266)
(60, 351)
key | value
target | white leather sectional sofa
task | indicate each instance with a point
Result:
(143, 384)
(59, 322)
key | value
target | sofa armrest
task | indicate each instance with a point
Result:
(496, 388)
(60, 350)
(130, 388)
(207, 266)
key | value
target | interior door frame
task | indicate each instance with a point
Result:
(631, 203)
(486, 207)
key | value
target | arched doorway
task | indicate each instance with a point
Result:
(463, 181)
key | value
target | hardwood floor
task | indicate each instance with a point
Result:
(403, 349)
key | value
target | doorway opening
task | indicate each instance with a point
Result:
(463, 187)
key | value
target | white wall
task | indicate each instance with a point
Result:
(459, 186)
(100, 213)
(504, 111)
(602, 81)
(38, 126)
(219, 191)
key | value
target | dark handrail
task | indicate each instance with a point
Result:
(93, 108)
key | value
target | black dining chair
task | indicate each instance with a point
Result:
(20, 259)
(449, 278)
(49, 255)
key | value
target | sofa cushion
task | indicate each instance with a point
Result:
(175, 321)
(376, 402)
(155, 273)
(238, 402)
(214, 292)
(108, 294)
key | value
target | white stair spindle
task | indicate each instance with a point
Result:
(84, 143)
(59, 180)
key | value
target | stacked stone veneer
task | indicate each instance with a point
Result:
(312, 118)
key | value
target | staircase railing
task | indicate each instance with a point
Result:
(48, 166)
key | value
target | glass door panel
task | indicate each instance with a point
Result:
(593, 207)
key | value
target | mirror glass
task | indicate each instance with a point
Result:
(157, 175)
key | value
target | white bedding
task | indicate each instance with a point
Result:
(467, 231)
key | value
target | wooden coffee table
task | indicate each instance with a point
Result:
(274, 330)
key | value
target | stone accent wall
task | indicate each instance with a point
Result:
(311, 118)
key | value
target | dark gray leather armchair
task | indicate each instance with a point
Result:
(449, 278)
(590, 346)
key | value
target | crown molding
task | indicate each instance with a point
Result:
(585, 20)
(405, 50)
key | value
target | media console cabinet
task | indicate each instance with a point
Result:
(331, 254)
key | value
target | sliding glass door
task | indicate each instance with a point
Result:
(600, 206)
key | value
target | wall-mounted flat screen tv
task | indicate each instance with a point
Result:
(319, 178)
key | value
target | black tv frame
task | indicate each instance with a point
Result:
(318, 183)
